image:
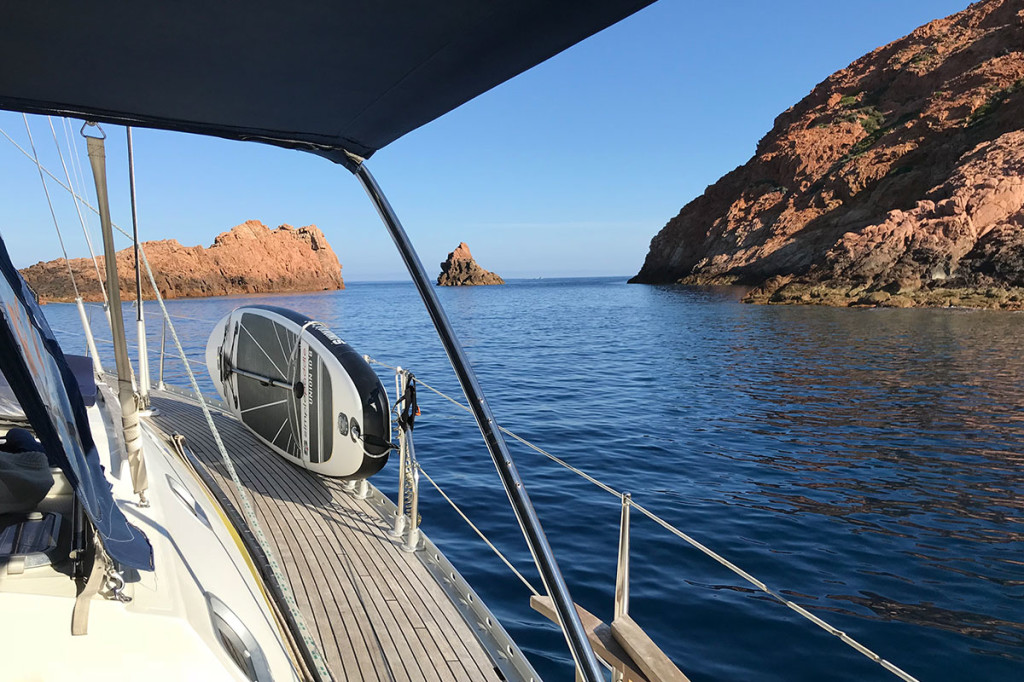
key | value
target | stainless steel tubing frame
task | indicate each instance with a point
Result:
(586, 662)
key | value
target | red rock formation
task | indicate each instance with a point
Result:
(461, 270)
(895, 181)
(248, 259)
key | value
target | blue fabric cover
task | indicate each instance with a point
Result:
(327, 76)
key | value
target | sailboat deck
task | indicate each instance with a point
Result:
(375, 612)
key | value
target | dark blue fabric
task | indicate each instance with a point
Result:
(48, 392)
(82, 367)
(20, 440)
(328, 76)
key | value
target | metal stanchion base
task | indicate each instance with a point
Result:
(362, 489)
(399, 530)
(412, 547)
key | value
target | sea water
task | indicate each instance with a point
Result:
(867, 464)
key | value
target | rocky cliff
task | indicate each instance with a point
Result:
(247, 259)
(461, 270)
(896, 181)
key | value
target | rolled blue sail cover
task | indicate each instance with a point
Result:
(44, 385)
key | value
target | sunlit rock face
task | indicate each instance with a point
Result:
(459, 269)
(896, 181)
(250, 258)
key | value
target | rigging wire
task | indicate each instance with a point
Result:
(77, 195)
(194, 319)
(191, 319)
(67, 188)
(49, 202)
(131, 344)
(135, 226)
(78, 208)
(77, 165)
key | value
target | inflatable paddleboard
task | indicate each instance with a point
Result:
(302, 390)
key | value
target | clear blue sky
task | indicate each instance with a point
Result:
(567, 170)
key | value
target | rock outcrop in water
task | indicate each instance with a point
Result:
(897, 181)
(461, 270)
(247, 259)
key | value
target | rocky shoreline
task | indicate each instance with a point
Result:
(898, 181)
(250, 258)
(782, 289)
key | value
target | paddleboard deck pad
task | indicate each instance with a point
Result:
(302, 390)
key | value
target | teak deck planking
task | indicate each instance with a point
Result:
(375, 611)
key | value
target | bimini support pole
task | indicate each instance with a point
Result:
(140, 320)
(129, 408)
(586, 662)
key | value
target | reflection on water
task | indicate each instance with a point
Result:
(865, 462)
(974, 625)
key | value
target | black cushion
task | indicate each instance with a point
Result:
(25, 478)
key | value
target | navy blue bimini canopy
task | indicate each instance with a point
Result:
(329, 76)
(48, 393)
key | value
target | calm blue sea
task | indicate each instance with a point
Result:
(867, 463)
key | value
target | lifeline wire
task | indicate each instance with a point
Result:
(131, 344)
(845, 638)
(479, 532)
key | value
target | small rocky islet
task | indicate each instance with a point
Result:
(898, 181)
(459, 270)
(250, 258)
